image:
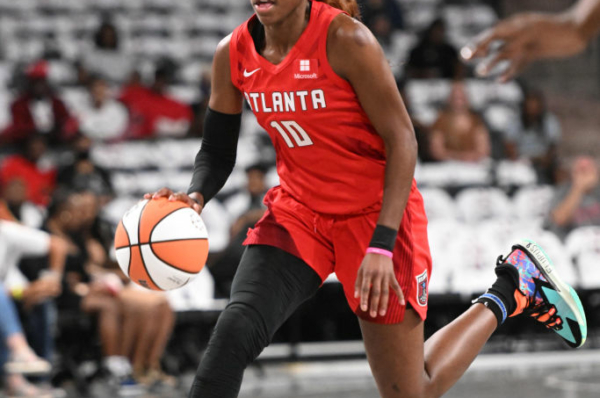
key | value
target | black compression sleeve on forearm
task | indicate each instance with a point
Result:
(216, 158)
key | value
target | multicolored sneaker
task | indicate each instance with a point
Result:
(543, 295)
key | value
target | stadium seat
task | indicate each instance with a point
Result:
(509, 93)
(5, 100)
(532, 203)
(185, 93)
(499, 117)
(471, 260)
(438, 204)
(501, 233)
(478, 204)
(509, 173)
(558, 253)
(198, 295)
(583, 245)
(453, 174)
(441, 233)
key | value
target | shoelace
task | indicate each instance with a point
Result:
(546, 315)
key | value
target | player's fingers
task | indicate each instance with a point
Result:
(181, 197)
(376, 291)
(487, 68)
(365, 290)
(358, 283)
(505, 31)
(162, 193)
(148, 196)
(197, 208)
(385, 297)
(398, 290)
(514, 69)
(480, 47)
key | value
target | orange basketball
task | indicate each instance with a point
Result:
(161, 245)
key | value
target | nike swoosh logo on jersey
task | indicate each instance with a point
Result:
(248, 74)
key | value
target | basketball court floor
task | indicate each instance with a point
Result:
(557, 374)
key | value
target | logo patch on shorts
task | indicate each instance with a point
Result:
(422, 289)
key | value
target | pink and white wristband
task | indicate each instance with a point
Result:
(377, 250)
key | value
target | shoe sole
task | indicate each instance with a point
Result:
(564, 290)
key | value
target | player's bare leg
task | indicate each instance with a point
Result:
(527, 283)
(402, 368)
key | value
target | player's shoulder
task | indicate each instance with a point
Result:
(346, 32)
(224, 45)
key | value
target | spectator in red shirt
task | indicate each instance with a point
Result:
(39, 181)
(152, 112)
(38, 110)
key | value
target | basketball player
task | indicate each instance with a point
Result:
(318, 82)
(528, 37)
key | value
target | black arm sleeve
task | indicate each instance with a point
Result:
(216, 158)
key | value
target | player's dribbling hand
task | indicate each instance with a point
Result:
(197, 203)
(375, 278)
(523, 39)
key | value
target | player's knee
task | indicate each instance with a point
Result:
(240, 330)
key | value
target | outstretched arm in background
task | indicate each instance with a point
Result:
(528, 37)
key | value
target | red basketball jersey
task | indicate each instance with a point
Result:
(329, 156)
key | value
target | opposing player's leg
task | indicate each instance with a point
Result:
(527, 284)
(268, 286)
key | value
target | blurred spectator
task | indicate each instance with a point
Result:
(246, 208)
(459, 133)
(153, 112)
(421, 130)
(433, 57)
(13, 198)
(38, 110)
(101, 118)
(577, 203)
(29, 168)
(199, 108)
(252, 198)
(382, 29)
(16, 357)
(17, 242)
(535, 137)
(134, 325)
(371, 10)
(81, 174)
(106, 57)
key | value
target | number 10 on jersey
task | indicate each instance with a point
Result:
(292, 133)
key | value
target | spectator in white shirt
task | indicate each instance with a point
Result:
(106, 55)
(16, 357)
(102, 118)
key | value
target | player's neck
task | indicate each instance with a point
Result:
(282, 36)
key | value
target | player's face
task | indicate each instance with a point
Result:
(271, 12)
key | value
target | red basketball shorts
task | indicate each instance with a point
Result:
(337, 243)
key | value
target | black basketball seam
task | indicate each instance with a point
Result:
(186, 282)
(174, 240)
(138, 233)
(140, 249)
(170, 265)
(162, 218)
(146, 268)
(128, 237)
(160, 241)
